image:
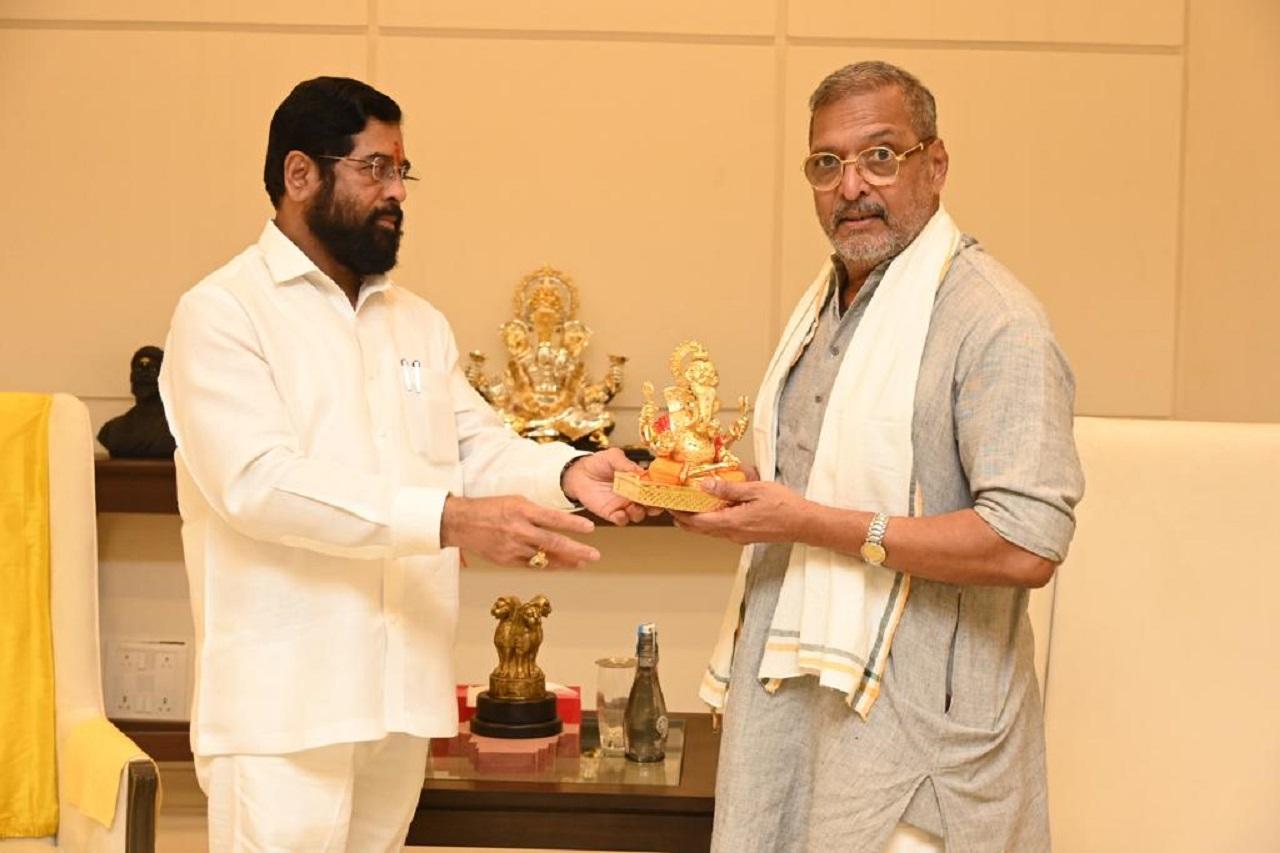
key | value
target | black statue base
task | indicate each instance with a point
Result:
(516, 718)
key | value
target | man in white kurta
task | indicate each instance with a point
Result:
(331, 462)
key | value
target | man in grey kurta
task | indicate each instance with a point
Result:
(954, 745)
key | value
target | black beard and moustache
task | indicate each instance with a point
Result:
(362, 246)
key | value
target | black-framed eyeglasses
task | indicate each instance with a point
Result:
(381, 168)
(878, 165)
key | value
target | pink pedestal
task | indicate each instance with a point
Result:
(510, 755)
(514, 755)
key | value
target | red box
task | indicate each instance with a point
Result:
(568, 702)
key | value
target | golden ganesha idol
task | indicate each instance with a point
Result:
(545, 392)
(687, 440)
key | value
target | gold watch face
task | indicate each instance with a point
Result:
(873, 553)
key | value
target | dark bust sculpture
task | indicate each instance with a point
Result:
(142, 432)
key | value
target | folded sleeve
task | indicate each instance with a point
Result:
(1014, 398)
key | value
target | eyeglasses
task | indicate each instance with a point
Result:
(382, 169)
(878, 166)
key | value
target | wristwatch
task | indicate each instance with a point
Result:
(872, 550)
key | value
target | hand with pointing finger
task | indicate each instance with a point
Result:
(513, 531)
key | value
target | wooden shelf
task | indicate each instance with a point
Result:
(147, 486)
(163, 740)
(136, 485)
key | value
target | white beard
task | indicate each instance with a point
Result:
(866, 251)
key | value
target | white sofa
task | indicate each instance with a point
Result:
(1163, 692)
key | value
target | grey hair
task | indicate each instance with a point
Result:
(862, 77)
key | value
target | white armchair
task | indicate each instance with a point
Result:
(77, 670)
(1162, 691)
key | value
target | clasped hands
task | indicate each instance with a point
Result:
(757, 512)
(511, 530)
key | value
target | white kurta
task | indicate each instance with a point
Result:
(316, 445)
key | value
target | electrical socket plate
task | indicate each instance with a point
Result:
(147, 680)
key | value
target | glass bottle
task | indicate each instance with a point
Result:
(646, 717)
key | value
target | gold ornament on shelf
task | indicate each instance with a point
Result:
(687, 441)
(545, 393)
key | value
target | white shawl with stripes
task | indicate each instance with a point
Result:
(836, 614)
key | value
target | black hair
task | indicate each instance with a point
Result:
(320, 117)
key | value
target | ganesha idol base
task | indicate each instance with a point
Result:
(665, 488)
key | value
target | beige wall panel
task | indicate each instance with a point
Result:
(1065, 166)
(191, 11)
(644, 171)
(140, 172)
(1136, 22)
(729, 17)
(142, 584)
(1228, 346)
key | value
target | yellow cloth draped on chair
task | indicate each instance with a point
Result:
(96, 752)
(28, 758)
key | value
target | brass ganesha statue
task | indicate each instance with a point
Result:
(687, 440)
(545, 392)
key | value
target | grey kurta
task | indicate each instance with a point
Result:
(955, 743)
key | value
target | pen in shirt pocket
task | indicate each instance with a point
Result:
(411, 373)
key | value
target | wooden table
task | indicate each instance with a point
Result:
(579, 816)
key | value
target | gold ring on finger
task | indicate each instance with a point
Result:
(539, 560)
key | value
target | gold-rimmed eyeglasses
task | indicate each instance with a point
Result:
(878, 165)
(382, 169)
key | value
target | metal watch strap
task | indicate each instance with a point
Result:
(876, 530)
(872, 550)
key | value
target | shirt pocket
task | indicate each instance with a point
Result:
(429, 418)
